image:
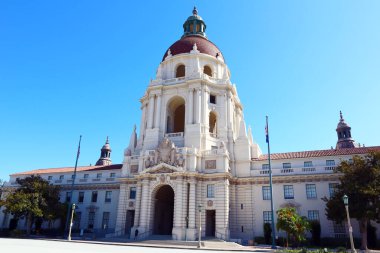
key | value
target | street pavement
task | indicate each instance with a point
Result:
(59, 246)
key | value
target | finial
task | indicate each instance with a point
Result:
(195, 47)
(169, 52)
(107, 140)
(195, 11)
(341, 115)
(134, 128)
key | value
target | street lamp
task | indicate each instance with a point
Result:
(71, 221)
(345, 201)
(200, 225)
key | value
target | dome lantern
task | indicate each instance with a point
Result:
(194, 25)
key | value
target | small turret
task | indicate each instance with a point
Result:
(343, 131)
(194, 25)
(105, 155)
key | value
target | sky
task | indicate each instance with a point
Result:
(70, 68)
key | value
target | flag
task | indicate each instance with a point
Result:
(266, 132)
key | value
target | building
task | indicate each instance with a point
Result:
(193, 149)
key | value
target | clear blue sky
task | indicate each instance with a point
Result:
(79, 67)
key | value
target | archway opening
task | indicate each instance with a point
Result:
(207, 70)
(175, 121)
(180, 71)
(163, 211)
(212, 123)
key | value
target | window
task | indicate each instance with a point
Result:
(266, 193)
(212, 123)
(106, 219)
(112, 174)
(265, 166)
(332, 189)
(288, 192)
(267, 216)
(180, 71)
(242, 229)
(241, 206)
(61, 177)
(308, 164)
(94, 196)
(313, 215)
(210, 190)
(68, 196)
(132, 193)
(85, 176)
(81, 197)
(311, 191)
(50, 177)
(108, 197)
(99, 175)
(91, 220)
(286, 165)
(207, 70)
(77, 218)
(339, 230)
(330, 163)
(212, 99)
(72, 176)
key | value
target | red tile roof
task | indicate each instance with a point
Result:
(318, 153)
(70, 169)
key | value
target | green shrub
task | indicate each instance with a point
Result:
(17, 233)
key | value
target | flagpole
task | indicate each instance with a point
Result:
(270, 186)
(72, 187)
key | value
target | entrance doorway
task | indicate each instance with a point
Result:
(163, 211)
(210, 223)
(129, 221)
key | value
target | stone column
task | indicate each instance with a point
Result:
(158, 112)
(190, 107)
(192, 206)
(138, 204)
(229, 110)
(178, 206)
(151, 112)
(144, 205)
(197, 106)
(143, 117)
(205, 110)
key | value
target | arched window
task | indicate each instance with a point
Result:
(207, 70)
(212, 124)
(180, 71)
(175, 121)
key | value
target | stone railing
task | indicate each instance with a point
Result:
(171, 135)
(202, 76)
(294, 171)
(210, 152)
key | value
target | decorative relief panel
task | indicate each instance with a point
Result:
(210, 164)
(165, 153)
(210, 203)
(130, 204)
(134, 169)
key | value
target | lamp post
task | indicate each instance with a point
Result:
(345, 201)
(200, 225)
(71, 221)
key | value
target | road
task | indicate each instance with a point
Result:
(48, 246)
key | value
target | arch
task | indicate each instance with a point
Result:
(180, 71)
(163, 202)
(175, 111)
(207, 70)
(212, 121)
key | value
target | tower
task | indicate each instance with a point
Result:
(105, 154)
(343, 131)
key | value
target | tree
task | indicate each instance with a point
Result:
(360, 181)
(293, 224)
(34, 198)
(267, 232)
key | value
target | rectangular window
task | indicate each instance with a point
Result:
(61, 177)
(210, 191)
(72, 176)
(339, 230)
(332, 189)
(267, 216)
(132, 193)
(212, 99)
(81, 197)
(288, 192)
(241, 206)
(108, 197)
(286, 165)
(94, 196)
(308, 164)
(106, 219)
(266, 193)
(85, 176)
(242, 229)
(99, 175)
(77, 219)
(50, 177)
(265, 166)
(68, 196)
(113, 175)
(91, 220)
(330, 163)
(313, 215)
(311, 191)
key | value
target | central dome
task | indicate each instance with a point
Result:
(185, 45)
(194, 30)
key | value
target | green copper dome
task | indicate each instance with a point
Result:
(194, 25)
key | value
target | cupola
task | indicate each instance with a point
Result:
(343, 131)
(194, 25)
(105, 154)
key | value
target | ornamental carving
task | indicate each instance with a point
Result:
(210, 164)
(130, 204)
(210, 203)
(165, 153)
(134, 169)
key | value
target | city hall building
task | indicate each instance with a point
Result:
(193, 148)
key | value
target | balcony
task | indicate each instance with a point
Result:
(294, 171)
(176, 138)
(202, 76)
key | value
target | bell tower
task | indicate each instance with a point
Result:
(343, 131)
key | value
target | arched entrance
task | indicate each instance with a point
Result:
(163, 211)
(175, 122)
